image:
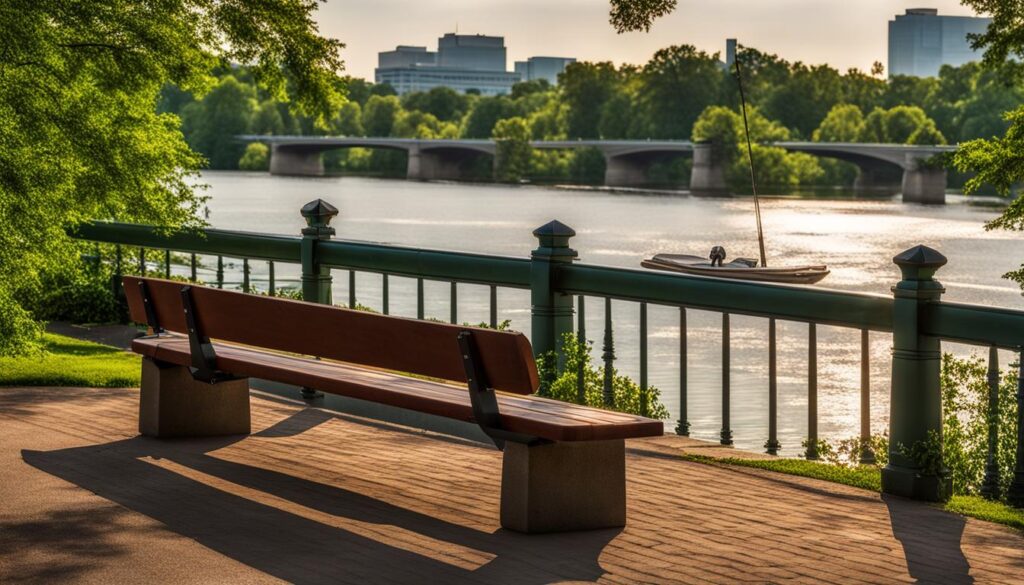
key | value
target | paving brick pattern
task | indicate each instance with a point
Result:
(316, 497)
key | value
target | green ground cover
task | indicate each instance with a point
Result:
(72, 362)
(869, 477)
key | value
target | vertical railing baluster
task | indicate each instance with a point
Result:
(192, 266)
(385, 301)
(990, 484)
(220, 271)
(726, 434)
(271, 280)
(419, 298)
(581, 341)
(142, 261)
(494, 306)
(245, 275)
(772, 445)
(608, 355)
(1015, 494)
(453, 302)
(643, 359)
(167, 263)
(683, 424)
(118, 269)
(867, 454)
(351, 289)
(812, 392)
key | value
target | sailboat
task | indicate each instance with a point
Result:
(739, 268)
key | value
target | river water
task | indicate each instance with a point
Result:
(857, 238)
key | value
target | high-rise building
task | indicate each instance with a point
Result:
(478, 52)
(462, 62)
(543, 68)
(921, 41)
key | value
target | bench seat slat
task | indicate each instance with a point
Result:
(530, 415)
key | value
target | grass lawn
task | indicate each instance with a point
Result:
(72, 362)
(869, 477)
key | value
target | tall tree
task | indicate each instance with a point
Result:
(585, 88)
(676, 85)
(79, 82)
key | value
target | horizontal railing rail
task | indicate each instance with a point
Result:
(915, 315)
(791, 303)
(442, 265)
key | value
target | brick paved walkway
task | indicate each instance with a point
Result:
(317, 497)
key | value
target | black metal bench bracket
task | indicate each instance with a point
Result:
(147, 304)
(483, 398)
(204, 358)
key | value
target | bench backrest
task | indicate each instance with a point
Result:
(393, 343)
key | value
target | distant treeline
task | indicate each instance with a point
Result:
(681, 93)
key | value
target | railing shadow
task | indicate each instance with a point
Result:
(300, 530)
(931, 541)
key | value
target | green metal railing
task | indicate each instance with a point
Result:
(915, 316)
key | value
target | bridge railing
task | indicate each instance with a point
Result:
(559, 288)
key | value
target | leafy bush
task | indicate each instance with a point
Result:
(628, 396)
(962, 447)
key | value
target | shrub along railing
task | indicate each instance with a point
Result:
(915, 315)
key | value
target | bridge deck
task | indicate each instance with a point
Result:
(317, 497)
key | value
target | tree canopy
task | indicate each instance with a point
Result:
(80, 134)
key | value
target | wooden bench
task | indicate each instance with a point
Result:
(563, 466)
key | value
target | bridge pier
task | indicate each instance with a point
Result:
(285, 160)
(624, 171)
(708, 174)
(923, 183)
(435, 165)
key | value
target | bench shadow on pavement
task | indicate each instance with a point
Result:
(143, 475)
(931, 541)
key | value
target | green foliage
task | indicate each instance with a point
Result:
(564, 386)
(212, 123)
(678, 84)
(965, 422)
(513, 151)
(443, 103)
(843, 123)
(82, 137)
(379, 115)
(255, 158)
(585, 87)
(486, 112)
(635, 15)
(72, 362)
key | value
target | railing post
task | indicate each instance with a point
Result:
(1015, 493)
(915, 396)
(316, 279)
(551, 310)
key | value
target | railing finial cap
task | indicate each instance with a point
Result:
(920, 256)
(554, 228)
(319, 209)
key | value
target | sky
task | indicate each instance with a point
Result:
(842, 33)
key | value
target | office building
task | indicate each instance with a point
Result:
(543, 68)
(462, 62)
(922, 41)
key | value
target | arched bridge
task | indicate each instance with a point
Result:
(627, 161)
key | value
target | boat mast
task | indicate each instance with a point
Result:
(750, 159)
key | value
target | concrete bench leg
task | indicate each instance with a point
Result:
(173, 404)
(559, 487)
